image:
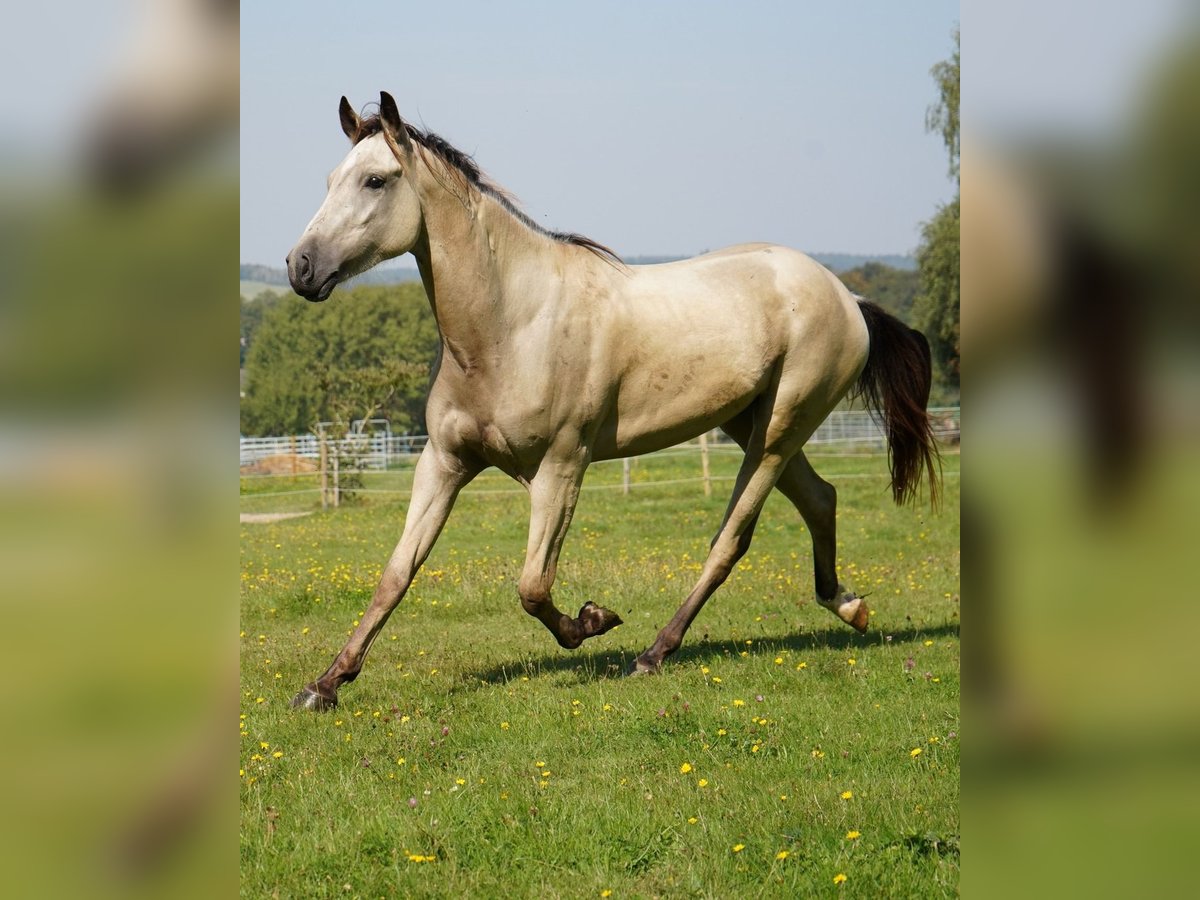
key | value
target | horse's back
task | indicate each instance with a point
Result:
(693, 342)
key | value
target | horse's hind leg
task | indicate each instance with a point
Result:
(757, 476)
(816, 500)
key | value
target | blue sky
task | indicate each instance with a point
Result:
(654, 127)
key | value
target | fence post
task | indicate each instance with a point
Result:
(337, 495)
(704, 464)
(324, 472)
(625, 475)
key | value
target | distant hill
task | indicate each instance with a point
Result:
(255, 279)
(258, 278)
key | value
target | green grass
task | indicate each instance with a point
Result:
(440, 750)
(251, 289)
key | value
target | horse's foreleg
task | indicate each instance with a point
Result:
(816, 501)
(553, 493)
(755, 480)
(436, 482)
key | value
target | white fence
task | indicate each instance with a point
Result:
(380, 450)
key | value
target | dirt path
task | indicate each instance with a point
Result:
(262, 518)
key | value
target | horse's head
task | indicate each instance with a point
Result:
(371, 212)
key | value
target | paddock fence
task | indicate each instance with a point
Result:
(317, 464)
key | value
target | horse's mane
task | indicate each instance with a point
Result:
(463, 166)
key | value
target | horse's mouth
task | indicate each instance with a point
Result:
(324, 290)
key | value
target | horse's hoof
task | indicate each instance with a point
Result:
(308, 698)
(644, 667)
(595, 620)
(861, 616)
(850, 609)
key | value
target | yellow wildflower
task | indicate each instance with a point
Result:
(738, 848)
(685, 768)
(847, 795)
(914, 752)
(782, 854)
(853, 835)
(839, 878)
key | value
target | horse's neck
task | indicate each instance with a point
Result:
(477, 266)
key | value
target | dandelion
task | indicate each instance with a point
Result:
(606, 893)
(852, 661)
(739, 702)
(782, 854)
(692, 820)
(685, 768)
(853, 835)
(779, 660)
(716, 679)
(800, 666)
(417, 857)
(839, 878)
(929, 643)
(738, 848)
(277, 754)
(915, 752)
(703, 782)
(504, 726)
(460, 781)
(847, 795)
(721, 732)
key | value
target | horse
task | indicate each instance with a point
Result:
(555, 354)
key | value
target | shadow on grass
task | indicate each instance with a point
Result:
(604, 664)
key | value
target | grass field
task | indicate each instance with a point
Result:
(779, 754)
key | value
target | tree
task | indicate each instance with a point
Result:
(935, 310)
(943, 115)
(893, 289)
(363, 353)
(937, 306)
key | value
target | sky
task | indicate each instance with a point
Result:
(658, 128)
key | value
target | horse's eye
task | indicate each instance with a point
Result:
(374, 182)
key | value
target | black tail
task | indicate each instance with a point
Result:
(895, 385)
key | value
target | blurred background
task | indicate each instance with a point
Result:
(1080, 269)
(118, 409)
(1080, 264)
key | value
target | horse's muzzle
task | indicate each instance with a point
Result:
(307, 279)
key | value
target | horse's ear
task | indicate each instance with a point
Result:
(349, 118)
(395, 126)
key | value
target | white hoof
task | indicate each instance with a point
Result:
(850, 609)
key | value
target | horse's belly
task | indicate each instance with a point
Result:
(669, 404)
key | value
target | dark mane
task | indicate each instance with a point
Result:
(465, 167)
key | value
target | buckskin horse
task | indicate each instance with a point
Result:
(555, 354)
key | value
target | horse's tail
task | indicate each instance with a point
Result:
(895, 385)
